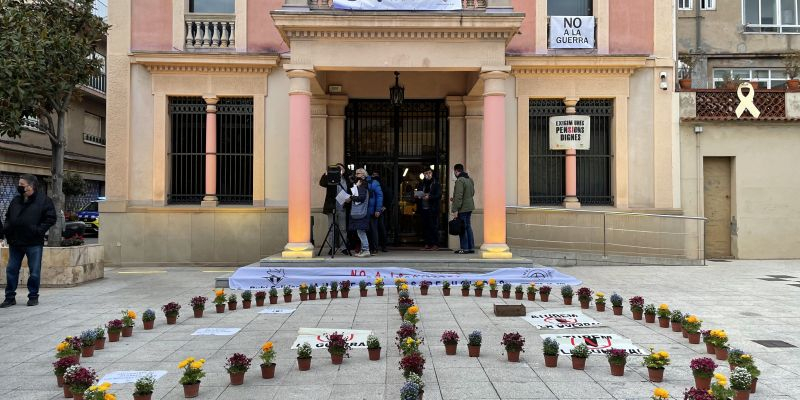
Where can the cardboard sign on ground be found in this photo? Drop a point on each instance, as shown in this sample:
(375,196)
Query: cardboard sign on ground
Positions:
(119,377)
(560,319)
(316,337)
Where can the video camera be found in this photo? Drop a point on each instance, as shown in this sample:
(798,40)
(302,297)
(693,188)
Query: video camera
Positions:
(334,175)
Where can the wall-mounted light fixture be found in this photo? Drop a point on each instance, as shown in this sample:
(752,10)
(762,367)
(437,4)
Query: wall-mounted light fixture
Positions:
(698,129)
(663,85)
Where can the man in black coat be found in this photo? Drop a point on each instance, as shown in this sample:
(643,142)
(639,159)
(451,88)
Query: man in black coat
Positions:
(30,215)
(428,205)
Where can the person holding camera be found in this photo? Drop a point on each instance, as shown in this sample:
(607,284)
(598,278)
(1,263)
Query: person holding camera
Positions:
(335,181)
(359,211)
(428,204)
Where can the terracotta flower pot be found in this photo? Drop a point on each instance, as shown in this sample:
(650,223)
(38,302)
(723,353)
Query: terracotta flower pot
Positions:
(362,292)
(379,292)
(312,296)
(617,310)
(323,295)
(513,356)
(220,308)
(518,295)
(337,359)
(585,304)
(148,396)
(721,353)
(617,369)
(578,363)
(87,351)
(655,374)
(446,291)
(198,312)
(268,371)
(532,296)
(550,361)
(172,320)
(237,378)
(192,390)
(303,296)
(601,307)
(245,304)
(423,290)
(478,292)
(77,396)
(260,301)
(450,349)
(474,351)
(742,395)
(60,380)
(545,297)
(287,298)
(676,326)
(663,322)
(493,293)
(506,295)
(702,383)
(148,325)
(113,336)
(273,299)
(694,338)
(650,318)
(637,315)
(685,83)
(67,392)
(334,294)
(345,294)
(568,301)
(231,306)
(127,331)
(793,85)
(374,354)
(465,292)
(100,344)
(304,364)
(753,385)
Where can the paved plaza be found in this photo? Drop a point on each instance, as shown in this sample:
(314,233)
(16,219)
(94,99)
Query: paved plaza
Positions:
(749,299)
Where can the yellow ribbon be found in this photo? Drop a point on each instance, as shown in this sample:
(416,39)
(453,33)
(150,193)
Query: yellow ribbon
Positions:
(746,102)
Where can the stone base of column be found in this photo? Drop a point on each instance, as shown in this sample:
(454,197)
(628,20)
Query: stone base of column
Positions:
(209,201)
(495,251)
(571,202)
(298,250)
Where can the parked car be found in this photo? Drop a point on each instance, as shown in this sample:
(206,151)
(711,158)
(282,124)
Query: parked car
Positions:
(90,216)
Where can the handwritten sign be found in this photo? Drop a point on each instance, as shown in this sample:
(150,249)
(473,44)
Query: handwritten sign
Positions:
(216,332)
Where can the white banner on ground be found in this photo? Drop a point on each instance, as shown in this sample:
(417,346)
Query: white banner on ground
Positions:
(258,276)
(316,337)
(571,32)
(397,5)
(560,319)
(119,377)
(277,311)
(598,343)
(216,332)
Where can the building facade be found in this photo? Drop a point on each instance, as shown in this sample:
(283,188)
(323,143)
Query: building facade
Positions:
(228,112)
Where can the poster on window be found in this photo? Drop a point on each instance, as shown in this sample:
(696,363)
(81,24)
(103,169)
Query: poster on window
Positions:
(572,32)
(397,5)
(570,132)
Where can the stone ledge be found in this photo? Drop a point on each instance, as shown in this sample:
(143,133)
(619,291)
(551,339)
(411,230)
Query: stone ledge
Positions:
(62,266)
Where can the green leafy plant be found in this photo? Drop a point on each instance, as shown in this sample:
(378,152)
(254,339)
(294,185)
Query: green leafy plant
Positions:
(247,295)
(232,298)
(550,347)
(287,290)
(373,342)
(518,289)
(650,309)
(507,287)
(580,351)
(273,292)
(144,385)
(304,351)
(475,338)
(741,379)
(676,316)
(566,291)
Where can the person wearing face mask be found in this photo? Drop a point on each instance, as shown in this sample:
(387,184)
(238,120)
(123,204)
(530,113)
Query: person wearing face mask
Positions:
(30,215)
(428,205)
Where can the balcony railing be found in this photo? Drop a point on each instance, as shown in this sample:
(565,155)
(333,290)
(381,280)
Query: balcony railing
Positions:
(721,104)
(98,82)
(210,31)
(466,4)
(100,141)
(32,123)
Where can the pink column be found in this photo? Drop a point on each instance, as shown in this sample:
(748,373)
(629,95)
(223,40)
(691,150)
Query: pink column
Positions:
(494,173)
(299,195)
(571,166)
(210,198)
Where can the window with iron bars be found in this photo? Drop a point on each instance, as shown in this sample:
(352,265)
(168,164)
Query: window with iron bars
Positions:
(187,150)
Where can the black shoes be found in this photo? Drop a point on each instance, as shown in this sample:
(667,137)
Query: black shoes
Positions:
(8,303)
(33,302)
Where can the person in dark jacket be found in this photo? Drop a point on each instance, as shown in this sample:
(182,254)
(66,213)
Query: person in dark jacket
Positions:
(428,204)
(331,206)
(463,206)
(375,210)
(30,215)
(381,220)
(359,211)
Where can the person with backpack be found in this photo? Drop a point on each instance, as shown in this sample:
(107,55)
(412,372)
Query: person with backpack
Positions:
(463,206)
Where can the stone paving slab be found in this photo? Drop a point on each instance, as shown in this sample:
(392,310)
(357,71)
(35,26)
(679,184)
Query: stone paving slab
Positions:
(731,296)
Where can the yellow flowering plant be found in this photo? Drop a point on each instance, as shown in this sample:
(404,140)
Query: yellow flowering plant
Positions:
(99,392)
(660,394)
(692,324)
(492,284)
(663,311)
(399,281)
(379,283)
(718,338)
(600,298)
(192,370)
(719,389)
(127,318)
(219,297)
(410,345)
(531,289)
(412,314)
(478,284)
(267,354)
(656,360)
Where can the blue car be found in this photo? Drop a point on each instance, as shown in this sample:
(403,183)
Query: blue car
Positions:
(90,216)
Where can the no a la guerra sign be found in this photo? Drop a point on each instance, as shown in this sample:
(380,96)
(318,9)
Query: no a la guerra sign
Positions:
(570,132)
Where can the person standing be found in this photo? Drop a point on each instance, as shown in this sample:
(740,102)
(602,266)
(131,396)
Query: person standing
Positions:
(375,210)
(381,221)
(331,207)
(30,215)
(359,211)
(429,205)
(463,205)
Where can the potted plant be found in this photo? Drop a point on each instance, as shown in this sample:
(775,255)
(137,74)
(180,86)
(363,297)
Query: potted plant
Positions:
(338,347)
(413,362)
(791,62)
(740,382)
(373,348)
(650,313)
(192,374)
(379,286)
(544,293)
(478,288)
(411,315)
(247,299)
(334,289)
(232,302)
(660,394)
(637,307)
(720,341)
(114,329)
(404,303)
(323,291)
(424,286)
(312,292)
(675,318)
(267,360)
(518,292)
(362,288)
(697,394)
(88,337)
(148,319)
(514,343)
(236,366)
(735,358)
(100,338)
(219,300)
(755,373)
(663,315)
(303,291)
(304,357)
(61,365)
(406,331)
(584,297)
(77,379)
(567,293)
(344,287)
(143,388)
(450,340)
(506,290)
(410,391)
(261,296)
(399,282)
(127,323)
(474,341)
(287,294)
(446,288)
(409,345)
(617,359)
(417,380)
(600,301)
(579,355)
(705,335)
(98,392)
(69,347)
(550,349)
(687,63)
(273,296)
(492,288)
(172,311)
(692,325)
(465,284)
(702,370)
(616,304)
(656,363)
(198,304)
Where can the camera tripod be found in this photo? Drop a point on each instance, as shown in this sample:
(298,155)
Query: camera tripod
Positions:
(334,235)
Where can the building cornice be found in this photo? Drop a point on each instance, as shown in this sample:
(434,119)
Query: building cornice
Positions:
(206,63)
(577,65)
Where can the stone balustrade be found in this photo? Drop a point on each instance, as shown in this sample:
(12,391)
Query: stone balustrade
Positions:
(210,31)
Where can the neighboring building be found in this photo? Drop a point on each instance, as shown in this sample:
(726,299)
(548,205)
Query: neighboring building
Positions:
(227,112)
(739,172)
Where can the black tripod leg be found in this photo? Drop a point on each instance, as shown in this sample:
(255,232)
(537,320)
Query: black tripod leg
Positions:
(324,242)
(343,239)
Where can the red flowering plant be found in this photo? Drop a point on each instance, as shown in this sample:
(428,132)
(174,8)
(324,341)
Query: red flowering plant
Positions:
(61,365)
(78,378)
(703,367)
(405,302)
(261,294)
(413,362)
(337,344)
(449,337)
(407,330)
(637,303)
(584,294)
(198,302)
(697,394)
(545,290)
(425,284)
(344,286)
(513,342)
(617,356)
(238,363)
(115,325)
(171,309)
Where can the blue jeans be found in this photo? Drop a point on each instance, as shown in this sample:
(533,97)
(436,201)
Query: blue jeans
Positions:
(15,254)
(362,235)
(466,238)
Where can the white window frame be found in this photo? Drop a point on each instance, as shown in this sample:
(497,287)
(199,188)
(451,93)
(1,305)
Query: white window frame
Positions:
(778,26)
(685,5)
(708,4)
(766,84)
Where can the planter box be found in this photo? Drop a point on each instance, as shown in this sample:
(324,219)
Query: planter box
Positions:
(509,310)
(62,266)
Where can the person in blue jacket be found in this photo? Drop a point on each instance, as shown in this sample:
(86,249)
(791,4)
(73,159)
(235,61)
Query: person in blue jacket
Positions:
(375,210)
